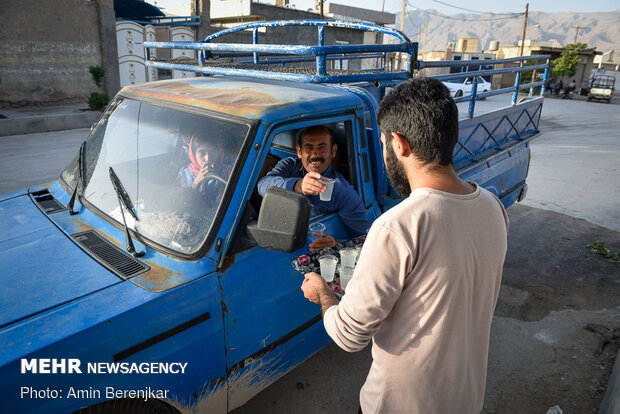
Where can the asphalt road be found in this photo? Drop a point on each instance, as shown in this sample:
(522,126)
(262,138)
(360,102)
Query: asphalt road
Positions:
(540,354)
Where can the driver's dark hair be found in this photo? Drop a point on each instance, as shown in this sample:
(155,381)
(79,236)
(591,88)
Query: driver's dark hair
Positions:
(422,111)
(315,129)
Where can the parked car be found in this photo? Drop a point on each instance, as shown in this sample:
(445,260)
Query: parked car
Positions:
(463,87)
(601,87)
(123,288)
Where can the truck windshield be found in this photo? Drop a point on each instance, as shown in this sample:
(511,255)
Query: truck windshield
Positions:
(175,166)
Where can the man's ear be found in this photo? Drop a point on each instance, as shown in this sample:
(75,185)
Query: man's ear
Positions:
(400,145)
(334,150)
(298,150)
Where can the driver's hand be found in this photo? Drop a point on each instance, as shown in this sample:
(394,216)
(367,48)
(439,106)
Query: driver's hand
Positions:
(322,242)
(310,184)
(204,170)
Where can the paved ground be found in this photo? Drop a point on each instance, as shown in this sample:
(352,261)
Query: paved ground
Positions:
(540,353)
(36,158)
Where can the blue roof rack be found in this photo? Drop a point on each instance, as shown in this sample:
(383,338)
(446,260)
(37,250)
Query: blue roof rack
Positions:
(269,61)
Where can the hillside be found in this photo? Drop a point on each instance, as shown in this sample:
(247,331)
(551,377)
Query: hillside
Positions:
(601,29)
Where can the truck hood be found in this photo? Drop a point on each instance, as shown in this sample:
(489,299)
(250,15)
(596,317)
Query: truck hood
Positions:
(40,266)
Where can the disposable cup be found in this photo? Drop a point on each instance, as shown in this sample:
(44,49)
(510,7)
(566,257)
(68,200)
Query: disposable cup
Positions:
(348,256)
(346,273)
(327,194)
(328,267)
(359,252)
(316,231)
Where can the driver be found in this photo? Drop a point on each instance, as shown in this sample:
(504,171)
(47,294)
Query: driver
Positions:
(204,157)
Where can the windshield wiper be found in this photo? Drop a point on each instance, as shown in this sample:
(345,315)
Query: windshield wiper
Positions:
(123,199)
(79,180)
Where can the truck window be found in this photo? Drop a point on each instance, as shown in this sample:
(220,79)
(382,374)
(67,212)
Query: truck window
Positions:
(148,146)
(284,145)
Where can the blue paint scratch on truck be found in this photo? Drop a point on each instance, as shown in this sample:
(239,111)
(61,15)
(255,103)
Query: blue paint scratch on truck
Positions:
(204,293)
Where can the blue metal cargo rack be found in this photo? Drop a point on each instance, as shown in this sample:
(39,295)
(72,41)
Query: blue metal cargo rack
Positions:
(269,61)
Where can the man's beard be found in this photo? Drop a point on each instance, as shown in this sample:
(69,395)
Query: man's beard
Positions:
(396,173)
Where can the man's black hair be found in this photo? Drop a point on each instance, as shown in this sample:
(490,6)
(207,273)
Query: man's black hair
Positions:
(422,111)
(315,129)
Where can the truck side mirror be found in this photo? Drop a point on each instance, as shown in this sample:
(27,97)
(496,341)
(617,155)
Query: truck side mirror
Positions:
(282,221)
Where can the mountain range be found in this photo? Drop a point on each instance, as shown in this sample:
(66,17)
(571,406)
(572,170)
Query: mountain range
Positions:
(597,29)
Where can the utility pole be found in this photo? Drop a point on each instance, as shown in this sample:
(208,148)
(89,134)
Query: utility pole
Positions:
(402,29)
(425,31)
(527,6)
(577,31)
(318,6)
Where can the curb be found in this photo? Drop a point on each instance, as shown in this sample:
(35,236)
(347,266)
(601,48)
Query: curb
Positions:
(611,402)
(46,123)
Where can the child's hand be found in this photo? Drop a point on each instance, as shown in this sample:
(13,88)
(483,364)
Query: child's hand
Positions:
(200,177)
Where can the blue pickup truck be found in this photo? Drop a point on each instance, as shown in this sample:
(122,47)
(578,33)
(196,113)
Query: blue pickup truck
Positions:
(123,288)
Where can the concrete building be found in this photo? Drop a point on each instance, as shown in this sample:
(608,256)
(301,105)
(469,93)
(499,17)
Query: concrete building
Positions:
(608,61)
(47,49)
(466,49)
(227,13)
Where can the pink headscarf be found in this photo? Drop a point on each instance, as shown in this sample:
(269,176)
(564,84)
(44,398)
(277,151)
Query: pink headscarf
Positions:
(194,167)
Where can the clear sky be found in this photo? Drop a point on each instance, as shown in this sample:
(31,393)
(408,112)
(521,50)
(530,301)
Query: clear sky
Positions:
(494,6)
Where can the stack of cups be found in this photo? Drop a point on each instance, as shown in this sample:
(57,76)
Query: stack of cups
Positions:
(348,257)
(328,267)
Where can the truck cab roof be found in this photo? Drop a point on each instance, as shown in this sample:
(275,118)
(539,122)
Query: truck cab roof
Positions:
(246,97)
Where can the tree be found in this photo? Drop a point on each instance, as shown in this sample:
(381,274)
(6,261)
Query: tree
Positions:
(566,64)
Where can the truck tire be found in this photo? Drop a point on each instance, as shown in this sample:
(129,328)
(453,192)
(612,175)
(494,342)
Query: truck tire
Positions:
(129,406)
(458,94)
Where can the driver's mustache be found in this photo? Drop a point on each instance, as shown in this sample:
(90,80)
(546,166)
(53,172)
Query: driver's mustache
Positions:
(316,159)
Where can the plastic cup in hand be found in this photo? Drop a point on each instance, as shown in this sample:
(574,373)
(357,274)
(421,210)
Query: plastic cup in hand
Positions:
(346,274)
(327,194)
(316,230)
(328,267)
(348,256)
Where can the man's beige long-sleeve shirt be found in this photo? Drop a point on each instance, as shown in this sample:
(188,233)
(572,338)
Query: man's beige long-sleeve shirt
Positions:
(424,291)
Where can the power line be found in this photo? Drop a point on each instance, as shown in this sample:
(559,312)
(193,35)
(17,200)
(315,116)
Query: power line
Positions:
(470,10)
(514,16)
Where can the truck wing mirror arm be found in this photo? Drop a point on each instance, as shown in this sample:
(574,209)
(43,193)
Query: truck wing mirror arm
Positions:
(282,221)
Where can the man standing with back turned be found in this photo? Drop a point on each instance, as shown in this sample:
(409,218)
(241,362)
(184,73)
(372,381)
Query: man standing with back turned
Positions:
(426,284)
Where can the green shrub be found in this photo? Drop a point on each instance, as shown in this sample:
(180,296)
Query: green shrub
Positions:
(98,101)
(97,73)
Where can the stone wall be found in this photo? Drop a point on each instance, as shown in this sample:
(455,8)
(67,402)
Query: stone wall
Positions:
(46,49)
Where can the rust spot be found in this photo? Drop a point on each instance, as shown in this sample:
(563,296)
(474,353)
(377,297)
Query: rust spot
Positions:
(224,307)
(213,383)
(157,279)
(228,261)
(237,101)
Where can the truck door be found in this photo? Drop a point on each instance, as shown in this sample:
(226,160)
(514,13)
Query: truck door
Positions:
(270,327)
(385,195)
